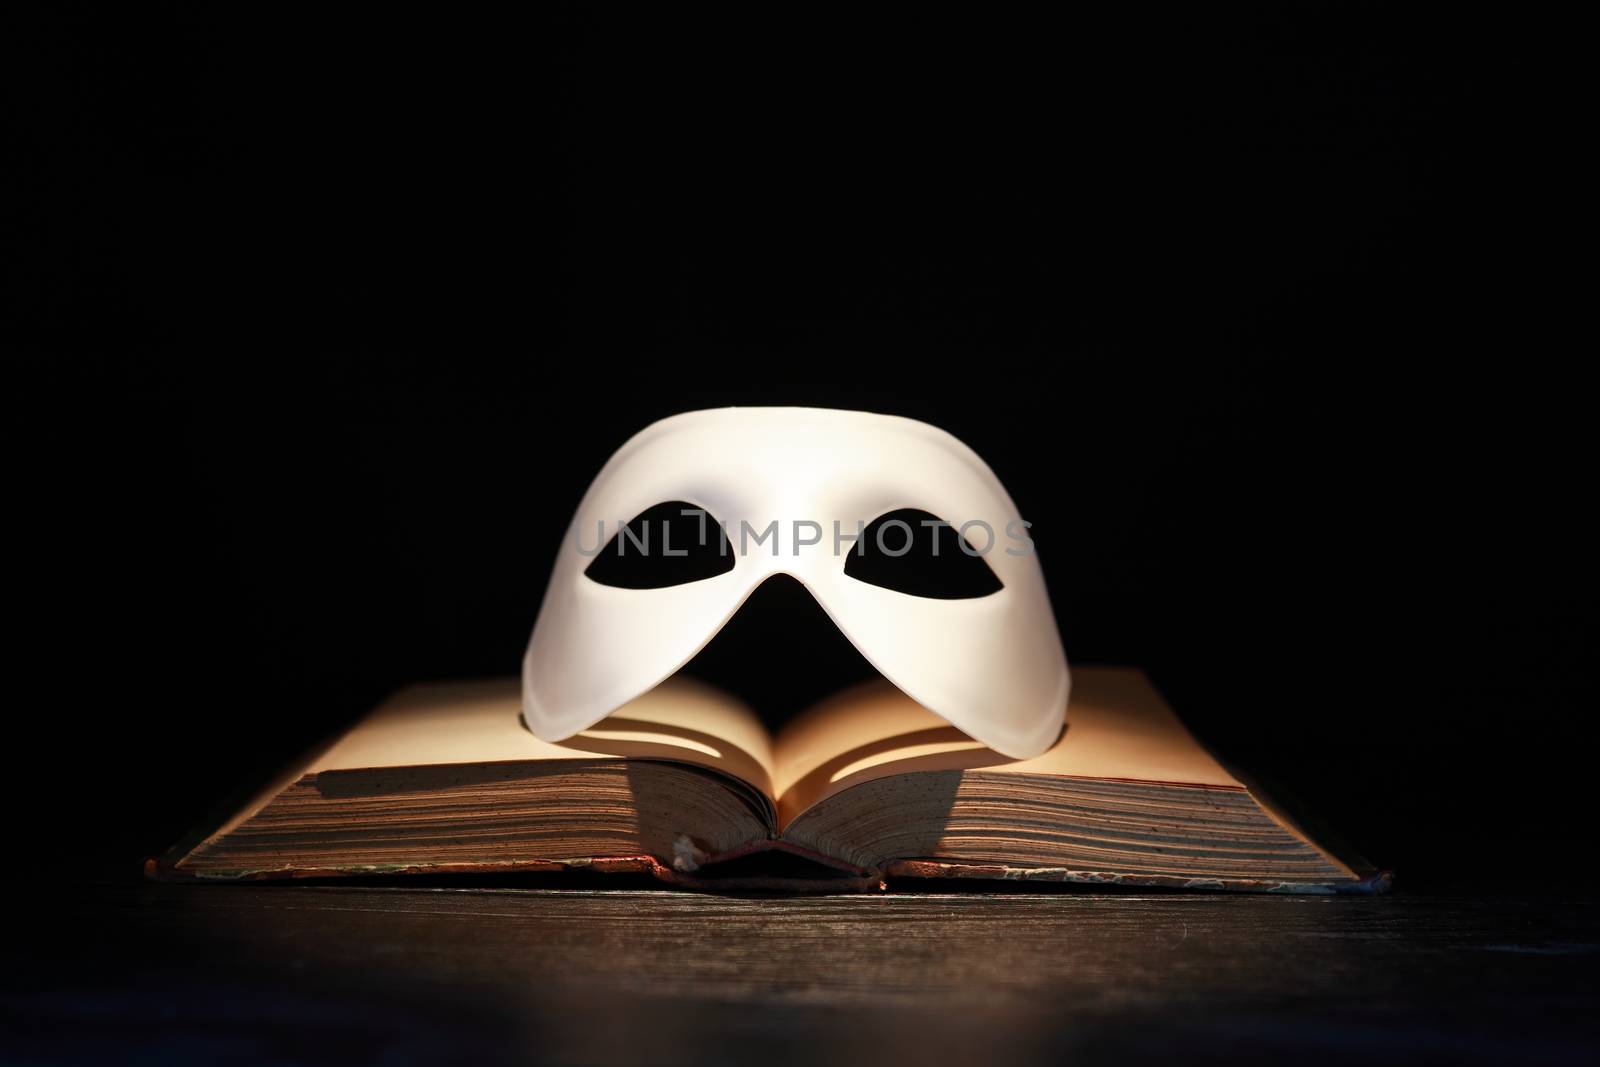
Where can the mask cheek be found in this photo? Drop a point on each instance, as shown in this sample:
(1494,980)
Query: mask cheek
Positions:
(990,666)
(596,647)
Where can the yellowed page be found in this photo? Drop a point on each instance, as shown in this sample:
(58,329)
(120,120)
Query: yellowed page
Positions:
(481,722)
(1117,727)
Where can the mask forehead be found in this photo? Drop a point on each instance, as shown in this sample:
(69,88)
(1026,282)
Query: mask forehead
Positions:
(992,667)
(797,462)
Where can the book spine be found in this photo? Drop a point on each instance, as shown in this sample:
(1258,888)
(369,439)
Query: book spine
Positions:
(846,879)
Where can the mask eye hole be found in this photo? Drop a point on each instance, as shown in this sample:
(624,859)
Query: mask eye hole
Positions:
(914,552)
(673,543)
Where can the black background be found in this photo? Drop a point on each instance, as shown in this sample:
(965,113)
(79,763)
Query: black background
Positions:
(322,324)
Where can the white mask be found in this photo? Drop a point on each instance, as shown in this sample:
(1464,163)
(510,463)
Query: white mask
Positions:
(992,665)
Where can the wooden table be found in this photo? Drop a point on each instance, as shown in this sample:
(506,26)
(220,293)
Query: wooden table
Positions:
(488,973)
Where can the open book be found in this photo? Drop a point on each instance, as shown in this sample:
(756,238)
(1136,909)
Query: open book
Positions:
(685,782)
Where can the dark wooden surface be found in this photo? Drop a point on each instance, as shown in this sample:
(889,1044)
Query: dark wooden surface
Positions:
(505,973)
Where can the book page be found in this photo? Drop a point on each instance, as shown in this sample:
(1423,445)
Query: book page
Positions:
(1118,727)
(481,722)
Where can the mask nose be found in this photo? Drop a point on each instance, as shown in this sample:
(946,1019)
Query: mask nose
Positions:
(780,652)
(796,546)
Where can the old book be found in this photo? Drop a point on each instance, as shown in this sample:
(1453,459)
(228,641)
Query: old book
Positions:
(685,782)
